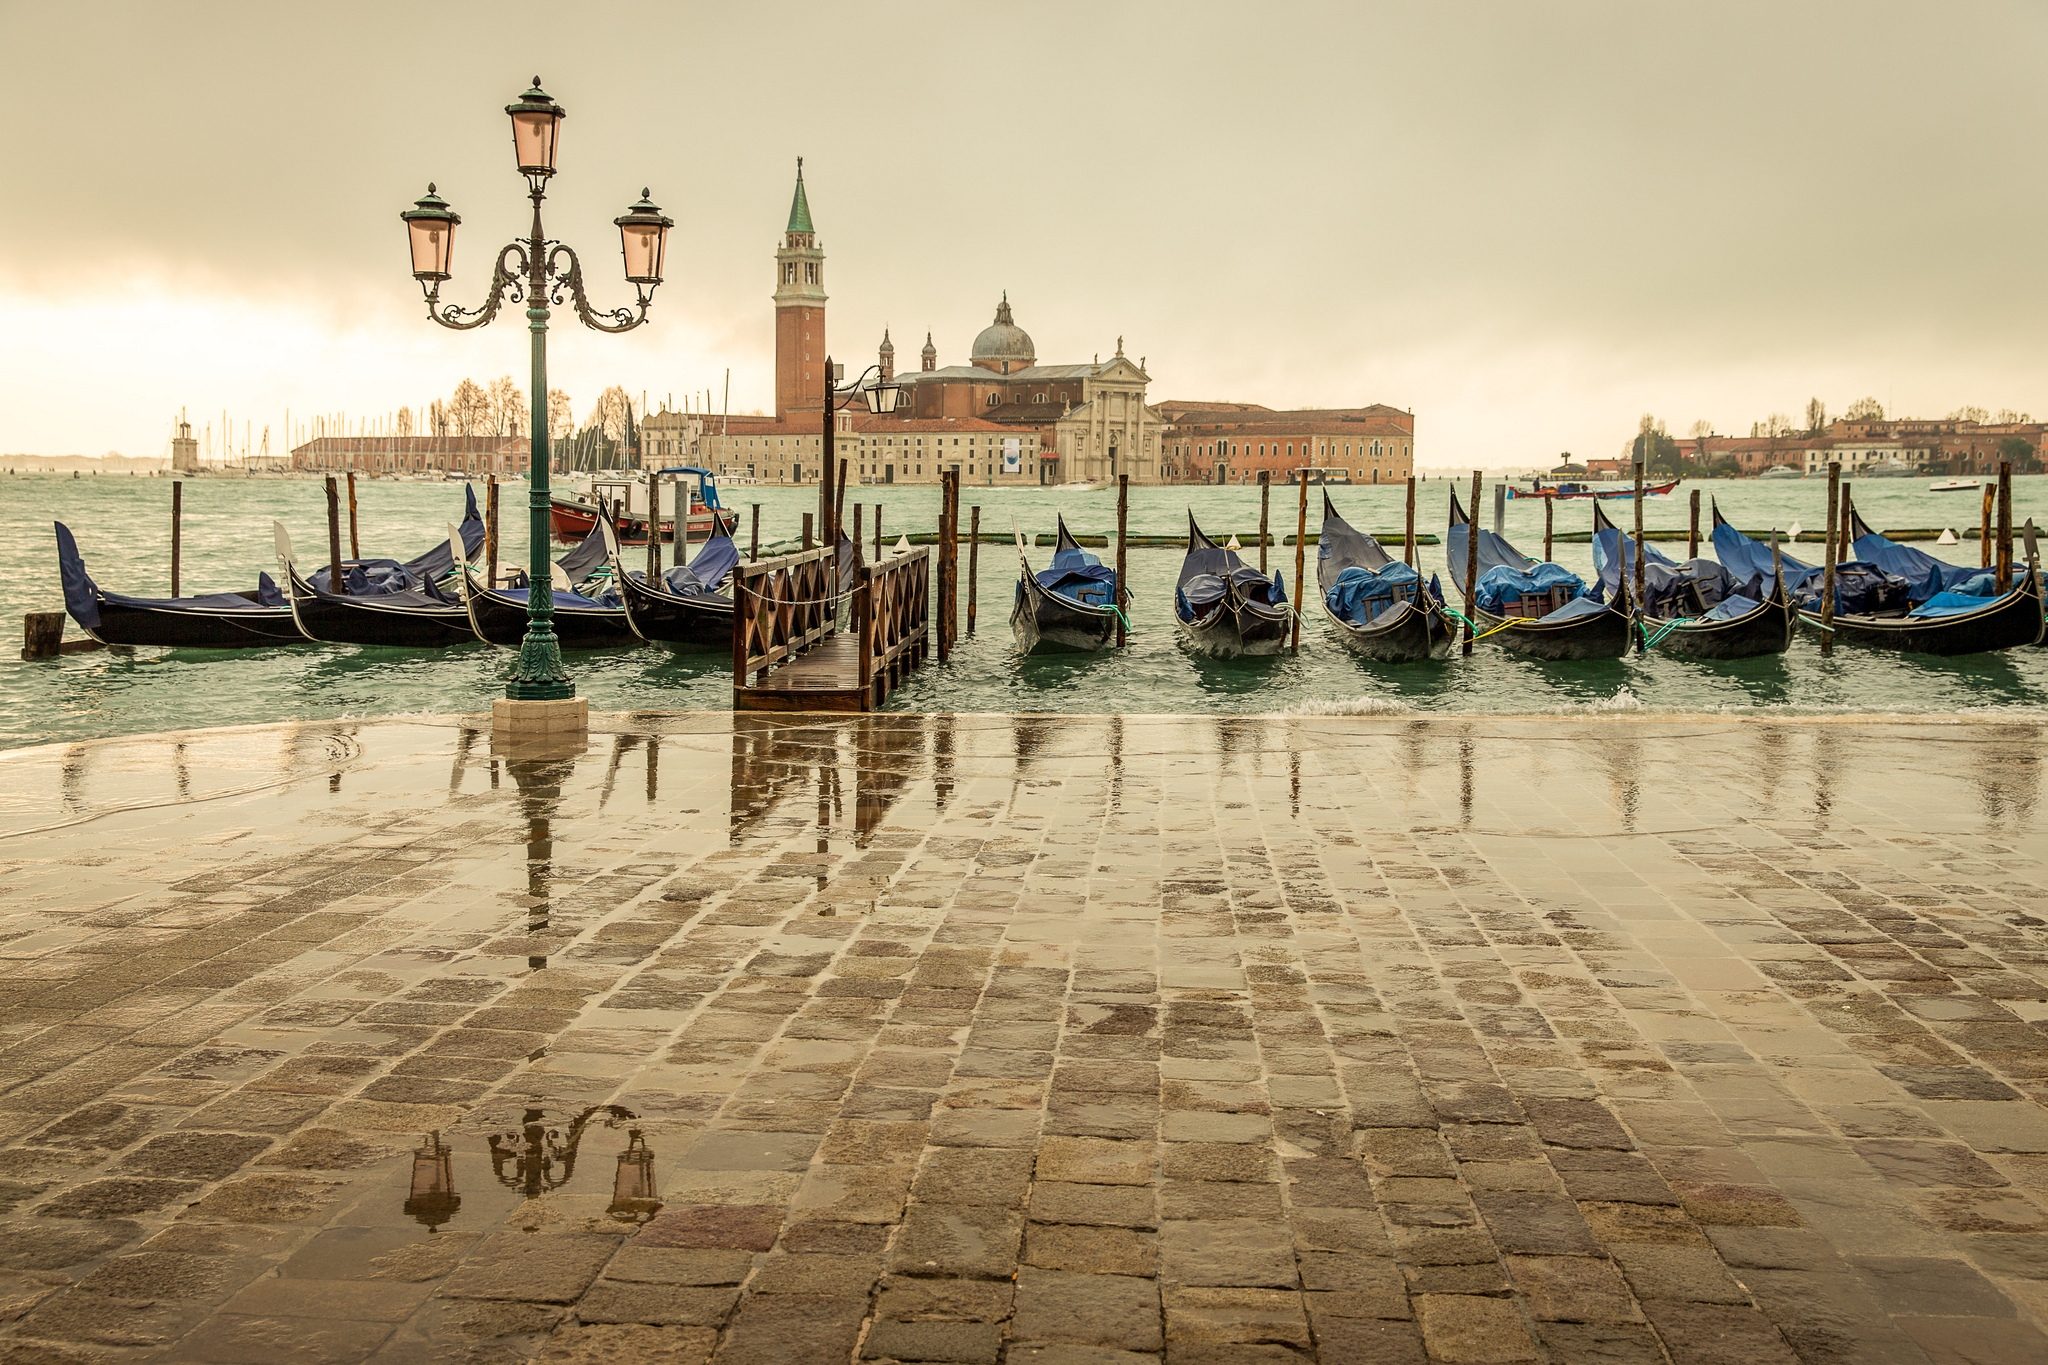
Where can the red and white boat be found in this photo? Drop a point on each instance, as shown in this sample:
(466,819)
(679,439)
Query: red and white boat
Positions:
(572,512)
(1604,492)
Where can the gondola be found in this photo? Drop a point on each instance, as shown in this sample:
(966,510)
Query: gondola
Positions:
(1383,610)
(1949,622)
(422,617)
(1544,611)
(498,615)
(680,607)
(1695,610)
(1067,607)
(1225,607)
(226,620)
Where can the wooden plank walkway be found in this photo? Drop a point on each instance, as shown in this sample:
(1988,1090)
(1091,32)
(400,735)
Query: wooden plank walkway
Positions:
(789,654)
(825,677)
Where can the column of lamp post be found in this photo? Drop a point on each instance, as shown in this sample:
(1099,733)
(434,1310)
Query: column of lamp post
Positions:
(538,271)
(881,400)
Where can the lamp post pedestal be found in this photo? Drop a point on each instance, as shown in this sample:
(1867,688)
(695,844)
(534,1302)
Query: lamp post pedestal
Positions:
(539,720)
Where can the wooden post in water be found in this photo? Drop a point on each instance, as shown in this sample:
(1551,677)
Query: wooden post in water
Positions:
(878,533)
(1471,565)
(355,545)
(177,529)
(810,520)
(1827,575)
(2003,581)
(839,505)
(1265,500)
(1641,637)
(1549,519)
(856,533)
(491,532)
(944,566)
(1300,553)
(42,634)
(1123,517)
(335,583)
(1692,539)
(973,562)
(1984,527)
(1408,539)
(654,528)
(754,549)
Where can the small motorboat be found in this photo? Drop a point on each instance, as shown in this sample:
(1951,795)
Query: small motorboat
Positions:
(1783,471)
(1606,493)
(1955,485)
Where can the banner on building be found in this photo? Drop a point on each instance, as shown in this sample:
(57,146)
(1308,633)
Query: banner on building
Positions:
(1013,455)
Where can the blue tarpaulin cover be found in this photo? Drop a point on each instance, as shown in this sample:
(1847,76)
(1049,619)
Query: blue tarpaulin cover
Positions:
(375,577)
(610,601)
(1359,595)
(1203,573)
(1498,585)
(1925,575)
(1574,609)
(1077,575)
(1952,604)
(82,596)
(1861,588)
(1730,608)
(711,565)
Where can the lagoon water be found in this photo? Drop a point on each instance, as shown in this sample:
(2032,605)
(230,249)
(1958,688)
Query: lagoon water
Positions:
(122,525)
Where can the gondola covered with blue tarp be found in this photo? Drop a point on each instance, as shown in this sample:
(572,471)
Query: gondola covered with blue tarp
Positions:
(1225,607)
(689,604)
(1925,576)
(589,612)
(1531,607)
(1379,606)
(223,620)
(1949,622)
(1861,587)
(1067,606)
(429,616)
(1696,608)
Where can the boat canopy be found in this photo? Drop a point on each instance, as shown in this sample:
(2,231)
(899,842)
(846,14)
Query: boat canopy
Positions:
(707,483)
(711,566)
(1494,550)
(1075,574)
(1360,594)
(1502,584)
(1926,576)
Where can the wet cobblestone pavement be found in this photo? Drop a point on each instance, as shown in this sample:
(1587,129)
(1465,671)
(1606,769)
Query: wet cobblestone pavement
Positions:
(1075,1041)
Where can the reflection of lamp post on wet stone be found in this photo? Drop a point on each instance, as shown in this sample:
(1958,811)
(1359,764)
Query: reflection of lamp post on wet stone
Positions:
(543,1159)
(433,1200)
(539,699)
(634,1198)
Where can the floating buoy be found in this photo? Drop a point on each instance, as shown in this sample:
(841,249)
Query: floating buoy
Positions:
(902,545)
(1233,545)
(1793,534)
(1948,536)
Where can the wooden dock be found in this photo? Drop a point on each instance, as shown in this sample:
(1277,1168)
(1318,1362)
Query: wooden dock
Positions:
(788,651)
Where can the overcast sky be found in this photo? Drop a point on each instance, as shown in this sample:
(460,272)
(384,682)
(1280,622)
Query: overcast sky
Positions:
(1528,222)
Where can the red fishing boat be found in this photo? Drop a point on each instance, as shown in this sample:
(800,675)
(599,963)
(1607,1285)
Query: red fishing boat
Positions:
(572,513)
(1603,492)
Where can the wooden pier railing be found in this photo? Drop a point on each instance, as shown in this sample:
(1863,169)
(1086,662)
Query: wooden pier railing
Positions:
(788,655)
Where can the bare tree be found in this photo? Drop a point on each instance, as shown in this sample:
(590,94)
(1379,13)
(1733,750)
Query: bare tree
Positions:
(1967,413)
(509,412)
(403,424)
(1865,410)
(1816,416)
(2006,416)
(561,417)
(469,409)
(1702,429)
(609,415)
(1777,424)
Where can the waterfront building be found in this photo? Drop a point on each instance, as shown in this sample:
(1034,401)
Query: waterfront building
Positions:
(1210,442)
(413,455)
(184,448)
(1934,446)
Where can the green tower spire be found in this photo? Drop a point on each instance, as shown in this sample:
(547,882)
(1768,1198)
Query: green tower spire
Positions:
(800,207)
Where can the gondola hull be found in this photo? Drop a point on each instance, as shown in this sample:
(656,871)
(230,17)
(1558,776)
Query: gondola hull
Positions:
(1235,628)
(1411,634)
(375,621)
(260,628)
(1602,636)
(499,620)
(1044,621)
(2004,623)
(1767,630)
(665,618)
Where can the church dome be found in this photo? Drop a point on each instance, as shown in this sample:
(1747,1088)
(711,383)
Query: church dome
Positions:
(1003,345)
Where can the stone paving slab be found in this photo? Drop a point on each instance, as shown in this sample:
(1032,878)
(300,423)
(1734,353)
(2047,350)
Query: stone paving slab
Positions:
(1028,1039)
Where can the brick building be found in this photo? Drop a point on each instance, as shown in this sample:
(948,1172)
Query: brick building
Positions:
(1932,446)
(413,454)
(1207,442)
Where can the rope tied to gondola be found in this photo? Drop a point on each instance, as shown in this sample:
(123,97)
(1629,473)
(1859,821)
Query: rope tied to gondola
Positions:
(1477,633)
(1652,641)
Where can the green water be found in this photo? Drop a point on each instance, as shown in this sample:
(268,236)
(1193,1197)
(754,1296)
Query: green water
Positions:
(123,529)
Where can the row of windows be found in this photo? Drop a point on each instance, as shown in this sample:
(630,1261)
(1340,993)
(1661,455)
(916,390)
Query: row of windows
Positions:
(1226,449)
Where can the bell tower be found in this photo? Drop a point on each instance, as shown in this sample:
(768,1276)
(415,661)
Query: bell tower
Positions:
(799,311)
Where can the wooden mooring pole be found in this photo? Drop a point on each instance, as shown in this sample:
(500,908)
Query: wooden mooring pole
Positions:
(335,583)
(654,528)
(1549,520)
(1471,564)
(878,533)
(809,521)
(1265,500)
(754,549)
(973,562)
(355,542)
(1827,575)
(1692,539)
(1123,521)
(2003,581)
(177,533)
(1984,527)
(1300,555)
(491,532)
(1408,536)
(1642,639)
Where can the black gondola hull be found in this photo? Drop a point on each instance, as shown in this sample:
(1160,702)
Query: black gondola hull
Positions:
(263,628)
(1044,621)
(1416,633)
(498,620)
(1767,630)
(366,621)
(665,618)
(2006,624)
(1236,628)
(1605,636)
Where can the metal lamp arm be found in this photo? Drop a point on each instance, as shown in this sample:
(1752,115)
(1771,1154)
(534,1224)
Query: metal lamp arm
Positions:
(566,286)
(842,396)
(507,282)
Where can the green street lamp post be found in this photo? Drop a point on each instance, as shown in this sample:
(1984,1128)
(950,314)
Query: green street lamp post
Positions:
(537,271)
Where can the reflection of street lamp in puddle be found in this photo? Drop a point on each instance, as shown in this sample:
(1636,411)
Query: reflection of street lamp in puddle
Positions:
(433,1200)
(634,1198)
(539,1160)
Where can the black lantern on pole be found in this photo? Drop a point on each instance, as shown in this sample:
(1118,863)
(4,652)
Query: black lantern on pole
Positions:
(536,131)
(430,224)
(643,239)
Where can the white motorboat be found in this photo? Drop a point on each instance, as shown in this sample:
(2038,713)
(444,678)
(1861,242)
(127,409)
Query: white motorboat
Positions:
(1955,486)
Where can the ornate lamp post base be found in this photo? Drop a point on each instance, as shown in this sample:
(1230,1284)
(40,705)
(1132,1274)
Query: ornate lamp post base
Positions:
(567,719)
